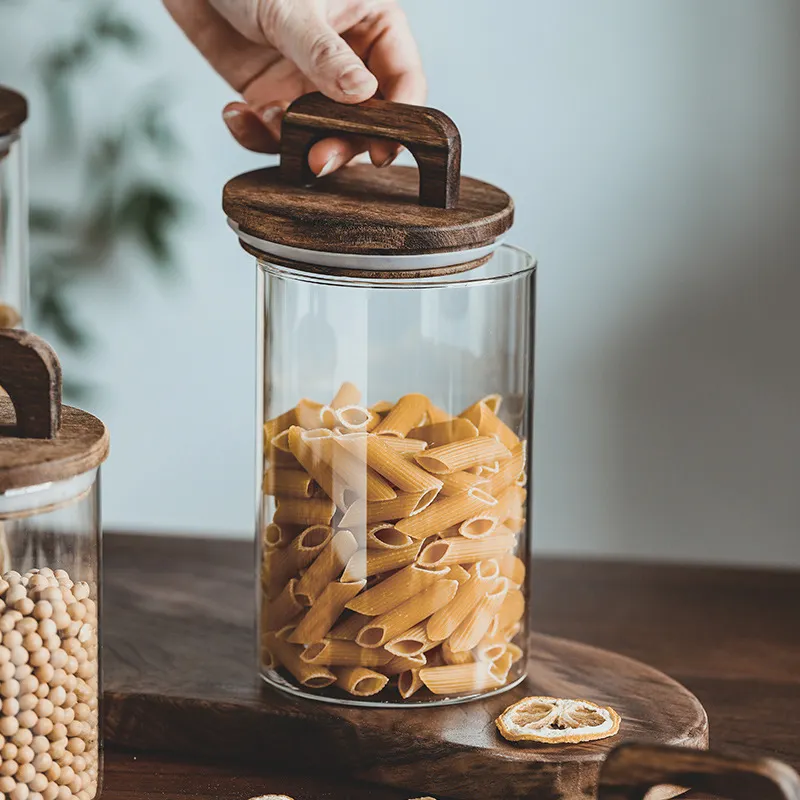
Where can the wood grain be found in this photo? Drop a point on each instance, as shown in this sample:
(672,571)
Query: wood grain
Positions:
(429,135)
(13,110)
(181,678)
(632,770)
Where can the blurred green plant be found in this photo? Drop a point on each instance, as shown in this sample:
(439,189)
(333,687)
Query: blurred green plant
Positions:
(121,198)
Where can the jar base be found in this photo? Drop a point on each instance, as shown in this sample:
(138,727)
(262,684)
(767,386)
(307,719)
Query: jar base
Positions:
(277,681)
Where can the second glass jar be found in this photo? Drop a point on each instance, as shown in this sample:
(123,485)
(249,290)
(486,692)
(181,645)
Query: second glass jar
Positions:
(395,424)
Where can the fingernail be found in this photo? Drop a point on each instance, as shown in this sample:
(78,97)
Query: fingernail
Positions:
(388,161)
(329,166)
(355,80)
(270,114)
(230,114)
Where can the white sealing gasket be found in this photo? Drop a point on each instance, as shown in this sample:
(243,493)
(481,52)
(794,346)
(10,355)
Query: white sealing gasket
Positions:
(383,263)
(44,496)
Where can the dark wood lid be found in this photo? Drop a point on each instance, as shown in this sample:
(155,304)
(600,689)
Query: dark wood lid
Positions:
(362,209)
(41,440)
(13,110)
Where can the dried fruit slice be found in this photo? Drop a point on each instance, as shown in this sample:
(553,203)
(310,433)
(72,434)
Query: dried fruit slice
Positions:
(556,720)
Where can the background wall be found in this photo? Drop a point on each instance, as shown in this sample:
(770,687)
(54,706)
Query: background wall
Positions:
(652,152)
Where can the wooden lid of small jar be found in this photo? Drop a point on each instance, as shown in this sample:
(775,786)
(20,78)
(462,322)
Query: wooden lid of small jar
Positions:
(41,440)
(13,110)
(362,209)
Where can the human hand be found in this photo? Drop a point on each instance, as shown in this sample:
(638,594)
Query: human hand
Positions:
(273,51)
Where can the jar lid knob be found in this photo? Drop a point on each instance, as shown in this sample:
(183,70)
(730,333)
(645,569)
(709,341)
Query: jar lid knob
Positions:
(31,375)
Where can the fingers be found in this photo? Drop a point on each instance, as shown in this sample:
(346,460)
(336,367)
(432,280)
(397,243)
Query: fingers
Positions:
(330,154)
(304,36)
(258,132)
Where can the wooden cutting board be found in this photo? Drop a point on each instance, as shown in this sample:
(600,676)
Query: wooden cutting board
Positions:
(180,677)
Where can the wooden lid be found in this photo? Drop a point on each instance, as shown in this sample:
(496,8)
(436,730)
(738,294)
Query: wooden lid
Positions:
(13,110)
(364,210)
(41,440)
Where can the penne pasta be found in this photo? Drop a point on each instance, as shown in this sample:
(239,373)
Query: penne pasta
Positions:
(404,446)
(461,455)
(277,566)
(512,568)
(489,424)
(348,394)
(283,609)
(400,472)
(511,503)
(457,573)
(278,425)
(381,407)
(407,413)
(360,681)
(356,418)
(280,535)
(511,632)
(311,415)
(287,655)
(458,550)
(350,466)
(436,414)
(309,544)
(408,683)
(366,563)
(455,658)
(294,511)
(385,536)
(458,482)
(348,626)
(446,620)
(400,664)
(278,453)
(476,624)
(445,513)
(333,653)
(515,651)
(393,591)
(325,611)
(313,460)
(404,505)
(485,470)
(502,665)
(478,527)
(511,609)
(407,614)
(287,483)
(509,471)
(412,642)
(440,433)
(326,567)
(493,402)
(463,678)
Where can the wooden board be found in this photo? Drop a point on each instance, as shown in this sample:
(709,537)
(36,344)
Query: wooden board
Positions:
(180,678)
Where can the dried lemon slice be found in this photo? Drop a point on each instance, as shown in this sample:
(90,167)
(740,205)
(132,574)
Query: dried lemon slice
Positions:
(557,721)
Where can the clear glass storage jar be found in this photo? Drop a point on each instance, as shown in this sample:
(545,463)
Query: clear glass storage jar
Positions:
(50,678)
(395,416)
(13,211)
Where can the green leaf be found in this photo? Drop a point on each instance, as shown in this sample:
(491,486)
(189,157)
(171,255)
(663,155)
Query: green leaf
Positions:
(112,27)
(148,212)
(46,220)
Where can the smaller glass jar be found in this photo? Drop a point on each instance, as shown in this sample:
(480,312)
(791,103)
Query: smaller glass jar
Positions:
(13,211)
(50,678)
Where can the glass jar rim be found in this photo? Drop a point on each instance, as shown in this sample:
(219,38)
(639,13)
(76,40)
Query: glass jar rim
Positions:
(526,263)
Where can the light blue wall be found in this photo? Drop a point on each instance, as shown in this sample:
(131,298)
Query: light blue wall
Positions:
(652,150)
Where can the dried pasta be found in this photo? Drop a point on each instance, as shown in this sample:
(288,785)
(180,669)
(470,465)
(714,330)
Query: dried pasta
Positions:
(283,609)
(360,681)
(312,415)
(393,591)
(444,513)
(446,620)
(462,678)
(385,536)
(461,455)
(458,550)
(348,626)
(470,632)
(400,472)
(348,394)
(287,655)
(366,563)
(278,425)
(409,412)
(288,483)
(326,567)
(458,482)
(489,424)
(336,653)
(325,611)
(412,642)
(439,433)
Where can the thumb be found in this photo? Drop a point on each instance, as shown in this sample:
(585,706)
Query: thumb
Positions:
(302,35)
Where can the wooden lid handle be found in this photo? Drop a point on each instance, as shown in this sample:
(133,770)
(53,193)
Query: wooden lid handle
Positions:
(31,375)
(430,136)
(632,769)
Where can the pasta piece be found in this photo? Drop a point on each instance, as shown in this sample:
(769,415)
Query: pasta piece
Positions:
(400,472)
(277,566)
(457,573)
(407,614)
(360,681)
(475,626)
(489,424)
(280,535)
(400,664)
(344,654)
(294,511)
(408,413)
(463,678)
(455,658)
(509,471)
(512,568)
(458,550)
(436,414)
(493,402)
(412,642)
(351,467)
(409,683)
(446,513)
(393,591)
(381,407)
(348,394)
(284,608)
(502,665)
(511,503)
(515,651)
(511,609)
(278,425)
(325,611)
(440,433)
(511,632)
(312,460)
(458,482)
(357,418)
(446,620)
(447,533)
(348,626)
(404,446)
(404,505)
(366,563)
(278,453)
(309,544)
(384,536)
(462,455)
(311,415)
(478,527)
(326,567)
(485,470)
(311,675)
(287,483)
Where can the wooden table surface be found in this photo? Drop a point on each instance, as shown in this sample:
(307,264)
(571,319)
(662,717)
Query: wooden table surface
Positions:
(732,636)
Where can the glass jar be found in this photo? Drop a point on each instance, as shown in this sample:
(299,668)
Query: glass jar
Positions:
(50,677)
(395,416)
(13,211)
